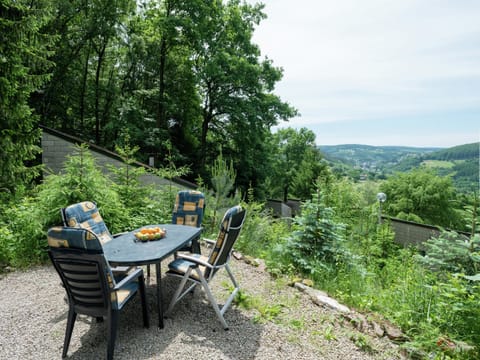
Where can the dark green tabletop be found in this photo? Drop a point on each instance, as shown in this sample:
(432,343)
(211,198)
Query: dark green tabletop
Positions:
(127,250)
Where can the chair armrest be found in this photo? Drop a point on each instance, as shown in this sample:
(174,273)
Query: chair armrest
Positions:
(209,241)
(122,269)
(129,278)
(119,234)
(194,260)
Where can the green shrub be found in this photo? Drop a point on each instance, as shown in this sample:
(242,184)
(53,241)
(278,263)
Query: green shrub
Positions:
(316,242)
(260,231)
(80,180)
(451,252)
(22,241)
(25,222)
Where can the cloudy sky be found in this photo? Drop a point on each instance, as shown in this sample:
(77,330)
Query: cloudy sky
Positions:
(378,72)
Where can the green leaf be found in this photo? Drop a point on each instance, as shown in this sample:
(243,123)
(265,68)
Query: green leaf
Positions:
(473,278)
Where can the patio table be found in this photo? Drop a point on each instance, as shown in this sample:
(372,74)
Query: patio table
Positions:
(126,250)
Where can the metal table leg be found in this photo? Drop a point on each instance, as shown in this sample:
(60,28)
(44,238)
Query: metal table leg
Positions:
(159,295)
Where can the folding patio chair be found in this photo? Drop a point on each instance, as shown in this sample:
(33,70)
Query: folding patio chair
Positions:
(196,269)
(90,284)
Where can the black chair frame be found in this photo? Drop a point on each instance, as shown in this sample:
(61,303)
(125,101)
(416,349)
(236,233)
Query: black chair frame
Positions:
(83,275)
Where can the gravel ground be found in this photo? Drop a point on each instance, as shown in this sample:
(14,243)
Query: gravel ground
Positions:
(33,320)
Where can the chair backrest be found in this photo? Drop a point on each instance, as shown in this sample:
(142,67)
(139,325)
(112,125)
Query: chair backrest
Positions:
(189,208)
(78,258)
(85,215)
(230,227)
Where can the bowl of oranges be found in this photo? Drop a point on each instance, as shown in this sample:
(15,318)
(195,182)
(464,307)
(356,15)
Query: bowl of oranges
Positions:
(149,234)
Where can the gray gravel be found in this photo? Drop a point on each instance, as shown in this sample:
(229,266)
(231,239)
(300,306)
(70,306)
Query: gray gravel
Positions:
(33,320)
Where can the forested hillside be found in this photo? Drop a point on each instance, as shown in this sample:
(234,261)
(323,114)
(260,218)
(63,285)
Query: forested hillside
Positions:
(459,162)
(378,162)
(372,158)
(461,152)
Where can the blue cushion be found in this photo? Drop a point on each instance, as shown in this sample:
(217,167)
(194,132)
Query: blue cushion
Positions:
(189,208)
(64,237)
(85,215)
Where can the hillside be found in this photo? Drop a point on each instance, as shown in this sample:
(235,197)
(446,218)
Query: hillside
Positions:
(363,162)
(372,156)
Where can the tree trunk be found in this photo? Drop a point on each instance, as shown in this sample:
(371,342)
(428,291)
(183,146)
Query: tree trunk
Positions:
(101,54)
(161,121)
(83,91)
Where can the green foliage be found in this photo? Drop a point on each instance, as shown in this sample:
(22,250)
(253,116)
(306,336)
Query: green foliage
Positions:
(144,204)
(378,247)
(223,179)
(265,311)
(461,152)
(460,162)
(24,222)
(451,252)
(81,180)
(24,49)
(6,239)
(378,275)
(170,171)
(457,312)
(316,240)
(181,76)
(362,342)
(22,241)
(296,165)
(260,232)
(423,194)
(455,253)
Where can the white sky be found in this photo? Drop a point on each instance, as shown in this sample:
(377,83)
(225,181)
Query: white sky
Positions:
(378,72)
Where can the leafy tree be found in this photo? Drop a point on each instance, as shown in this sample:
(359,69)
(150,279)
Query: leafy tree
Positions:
(297,162)
(423,196)
(24,48)
(235,86)
(82,94)
(184,73)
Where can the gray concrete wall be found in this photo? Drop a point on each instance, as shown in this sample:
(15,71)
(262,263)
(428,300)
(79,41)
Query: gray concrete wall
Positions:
(409,233)
(57,146)
(279,208)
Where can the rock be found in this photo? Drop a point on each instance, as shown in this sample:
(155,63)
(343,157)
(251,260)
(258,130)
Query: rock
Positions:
(321,298)
(251,261)
(377,329)
(359,321)
(394,333)
(237,255)
(261,265)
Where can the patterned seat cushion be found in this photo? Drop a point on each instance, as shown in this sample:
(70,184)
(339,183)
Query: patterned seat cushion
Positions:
(64,237)
(180,266)
(223,232)
(85,215)
(189,208)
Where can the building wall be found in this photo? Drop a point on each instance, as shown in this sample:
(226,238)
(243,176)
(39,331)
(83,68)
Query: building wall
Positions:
(408,233)
(279,209)
(57,146)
